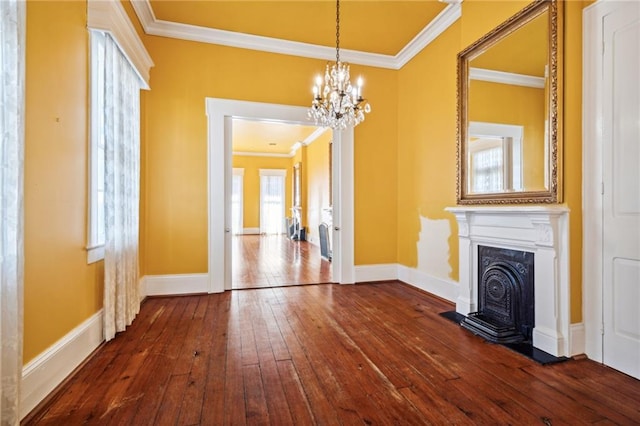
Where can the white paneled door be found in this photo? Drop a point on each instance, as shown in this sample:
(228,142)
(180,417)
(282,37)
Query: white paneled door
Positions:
(621,186)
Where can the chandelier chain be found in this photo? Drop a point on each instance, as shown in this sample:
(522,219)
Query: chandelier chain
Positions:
(336,102)
(338,31)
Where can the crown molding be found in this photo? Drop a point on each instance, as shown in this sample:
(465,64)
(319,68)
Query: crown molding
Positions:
(154,26)
(261,154)
(111,17)
(315,135)
(440,23)
(506,78)
(308,140)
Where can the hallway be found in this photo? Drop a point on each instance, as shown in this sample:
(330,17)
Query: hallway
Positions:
(261,261)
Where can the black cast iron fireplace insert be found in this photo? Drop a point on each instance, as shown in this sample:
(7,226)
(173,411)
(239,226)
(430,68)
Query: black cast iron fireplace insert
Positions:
(505,296)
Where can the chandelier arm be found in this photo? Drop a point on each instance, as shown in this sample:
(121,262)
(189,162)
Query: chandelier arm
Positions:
(337,104)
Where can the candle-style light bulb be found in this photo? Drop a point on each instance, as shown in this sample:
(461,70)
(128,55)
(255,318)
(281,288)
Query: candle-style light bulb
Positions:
(359,87)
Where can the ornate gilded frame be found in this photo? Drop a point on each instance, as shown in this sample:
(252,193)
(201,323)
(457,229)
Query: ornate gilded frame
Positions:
(554,193)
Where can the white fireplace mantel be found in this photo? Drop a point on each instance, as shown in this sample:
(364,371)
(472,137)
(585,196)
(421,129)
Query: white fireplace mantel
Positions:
(541,230)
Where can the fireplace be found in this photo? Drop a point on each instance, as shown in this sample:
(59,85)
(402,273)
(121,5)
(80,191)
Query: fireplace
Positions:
(505,296)
(542,231)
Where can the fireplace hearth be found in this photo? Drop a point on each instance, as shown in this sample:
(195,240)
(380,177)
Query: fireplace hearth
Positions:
(505,296)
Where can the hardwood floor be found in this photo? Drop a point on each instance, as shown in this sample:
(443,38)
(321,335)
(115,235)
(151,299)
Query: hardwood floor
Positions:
(326,354)
(274,261)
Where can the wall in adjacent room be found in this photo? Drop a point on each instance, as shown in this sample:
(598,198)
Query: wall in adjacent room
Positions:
(317,171)
(251,184)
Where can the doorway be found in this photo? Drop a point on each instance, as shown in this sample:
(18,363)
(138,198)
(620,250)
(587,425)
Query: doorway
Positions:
(285,170)
(220,113)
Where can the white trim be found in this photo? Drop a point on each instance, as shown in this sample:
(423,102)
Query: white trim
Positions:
(308,140)
(110,16)
(95,254)
(441,287)
(262,154)
(219,116)
(592,86)
(380,272)
(479,128)
(541,230)
(251,231)
(44,373)
(502,77)
(238,171)
(315,135)
(167,285)
(437,26)
(576,339)
(273,172)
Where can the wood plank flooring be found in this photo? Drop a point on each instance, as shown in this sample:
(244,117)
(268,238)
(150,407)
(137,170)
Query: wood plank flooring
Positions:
(326,354)
(261,261)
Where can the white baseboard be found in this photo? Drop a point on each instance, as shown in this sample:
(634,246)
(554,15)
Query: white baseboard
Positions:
(313,240)
(41,375)
(251,231)
(164,285)
(577,339)
(380,272)
(443,288)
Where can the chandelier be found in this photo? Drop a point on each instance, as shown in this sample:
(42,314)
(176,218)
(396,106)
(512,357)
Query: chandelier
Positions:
(336,102)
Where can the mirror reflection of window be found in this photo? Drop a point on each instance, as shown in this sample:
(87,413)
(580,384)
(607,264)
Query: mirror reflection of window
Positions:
(487,165)
(495,157)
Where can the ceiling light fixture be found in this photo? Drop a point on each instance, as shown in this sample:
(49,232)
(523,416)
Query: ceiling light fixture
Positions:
(336,102)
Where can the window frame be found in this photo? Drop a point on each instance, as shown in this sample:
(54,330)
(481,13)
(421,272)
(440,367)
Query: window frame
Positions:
(95,238)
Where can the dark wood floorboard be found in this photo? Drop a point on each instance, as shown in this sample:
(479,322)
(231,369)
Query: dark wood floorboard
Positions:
(262,261)
(326,354)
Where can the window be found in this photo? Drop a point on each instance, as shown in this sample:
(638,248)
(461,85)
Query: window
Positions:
(495,157)
(272,198)
(487,166)
(96,232)
(114,140)
(237,201)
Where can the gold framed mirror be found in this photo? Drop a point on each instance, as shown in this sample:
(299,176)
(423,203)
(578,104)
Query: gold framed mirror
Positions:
(509,111)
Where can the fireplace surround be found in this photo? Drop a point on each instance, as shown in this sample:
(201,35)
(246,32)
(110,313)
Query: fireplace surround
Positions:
(540,230)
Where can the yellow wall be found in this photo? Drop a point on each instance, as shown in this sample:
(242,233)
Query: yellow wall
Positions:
(251,184)
(427,134)
(317,171)
(175,159)
(517,105)
(427,146)
(404,153)
(573,146)
(60,289)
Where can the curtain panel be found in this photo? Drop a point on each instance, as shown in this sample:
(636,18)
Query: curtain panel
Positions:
(122,190)
(12,58)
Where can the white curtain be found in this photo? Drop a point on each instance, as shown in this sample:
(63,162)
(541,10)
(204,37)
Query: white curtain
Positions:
(271,204)
(122,190)
(487,167)
(12,58)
